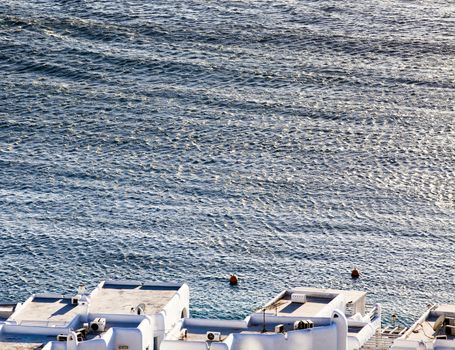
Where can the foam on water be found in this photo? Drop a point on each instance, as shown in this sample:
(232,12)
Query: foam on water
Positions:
(286,141)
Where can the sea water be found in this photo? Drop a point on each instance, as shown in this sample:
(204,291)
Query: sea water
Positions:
(285,141)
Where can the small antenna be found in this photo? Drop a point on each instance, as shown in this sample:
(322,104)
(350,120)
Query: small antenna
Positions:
(273,306)
(263,321)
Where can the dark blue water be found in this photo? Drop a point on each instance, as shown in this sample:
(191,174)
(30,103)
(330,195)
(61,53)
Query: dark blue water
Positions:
(285,141)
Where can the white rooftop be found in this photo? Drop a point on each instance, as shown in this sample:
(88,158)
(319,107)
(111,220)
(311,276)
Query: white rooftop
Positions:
(55,309)
(318,302)
(110,298)
(116,298)
(120,304)
(433,325)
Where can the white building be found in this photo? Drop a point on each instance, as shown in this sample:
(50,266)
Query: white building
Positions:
(130,315)
(434,330)
(296,319)
(117,315)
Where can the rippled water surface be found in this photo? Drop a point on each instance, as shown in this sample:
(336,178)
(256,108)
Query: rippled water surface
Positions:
(285,141)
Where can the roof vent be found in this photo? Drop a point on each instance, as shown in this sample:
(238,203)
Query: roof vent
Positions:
(62,337)
(214,336)
(183,333)
(279,328)
(65,337)
(301,324)
(98,324)
(298,298)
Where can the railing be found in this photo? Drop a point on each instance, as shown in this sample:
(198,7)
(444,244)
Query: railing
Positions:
(393,332)
(371,311)
(378,342)
(383,338)
(369,308)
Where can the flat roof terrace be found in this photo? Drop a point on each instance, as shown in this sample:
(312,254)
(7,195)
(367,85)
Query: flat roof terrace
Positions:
(313,305)
(121,298)
(316,300)
(110,298)
(52,309)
